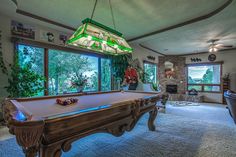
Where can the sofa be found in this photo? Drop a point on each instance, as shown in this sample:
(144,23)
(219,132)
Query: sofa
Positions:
(230,98)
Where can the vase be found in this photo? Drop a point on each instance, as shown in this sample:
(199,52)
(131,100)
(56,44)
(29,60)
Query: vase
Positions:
(80,89)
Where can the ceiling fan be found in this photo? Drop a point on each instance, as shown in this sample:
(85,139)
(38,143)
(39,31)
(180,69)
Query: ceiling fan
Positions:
(213,47)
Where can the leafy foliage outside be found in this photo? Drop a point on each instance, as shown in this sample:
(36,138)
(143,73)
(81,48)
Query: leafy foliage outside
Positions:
(64,67)
(150,73)
(211,76)
(208,78)
(196,87)
(190,80)
(23,81)
(105,74)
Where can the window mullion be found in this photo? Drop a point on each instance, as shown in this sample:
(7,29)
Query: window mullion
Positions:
(46,71)
(99,73)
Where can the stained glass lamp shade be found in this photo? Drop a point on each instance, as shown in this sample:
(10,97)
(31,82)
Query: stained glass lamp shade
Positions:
(98,37)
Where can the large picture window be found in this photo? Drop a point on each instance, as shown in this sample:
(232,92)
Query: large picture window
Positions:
(150,72)
(62,68)
(66,68)
(204,77)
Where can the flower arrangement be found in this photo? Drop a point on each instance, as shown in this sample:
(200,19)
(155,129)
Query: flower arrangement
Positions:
(79,82)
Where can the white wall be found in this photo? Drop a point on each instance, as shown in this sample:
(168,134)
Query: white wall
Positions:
(229,66)
(7,50)
(142,53)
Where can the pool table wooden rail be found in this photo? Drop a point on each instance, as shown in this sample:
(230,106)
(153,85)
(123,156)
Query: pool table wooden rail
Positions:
(51,136)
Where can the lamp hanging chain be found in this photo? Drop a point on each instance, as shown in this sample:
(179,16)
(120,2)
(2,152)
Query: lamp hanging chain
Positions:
(112,15)
(94,7)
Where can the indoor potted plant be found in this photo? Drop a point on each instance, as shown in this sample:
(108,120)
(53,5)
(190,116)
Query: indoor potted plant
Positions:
(79,82)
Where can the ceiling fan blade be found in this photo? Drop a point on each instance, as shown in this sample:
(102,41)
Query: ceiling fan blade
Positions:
(227,46)
(223,46)
(218,45)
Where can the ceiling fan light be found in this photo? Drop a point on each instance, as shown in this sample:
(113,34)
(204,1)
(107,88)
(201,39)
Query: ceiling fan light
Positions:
(210,50)
(215,49)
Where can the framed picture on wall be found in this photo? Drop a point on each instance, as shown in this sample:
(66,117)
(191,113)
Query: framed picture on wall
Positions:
(63,38)
(22,30)
(47,36)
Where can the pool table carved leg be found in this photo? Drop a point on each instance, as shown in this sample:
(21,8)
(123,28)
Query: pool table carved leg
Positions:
(53,150)
(30,152)
(29,137)
(152,117)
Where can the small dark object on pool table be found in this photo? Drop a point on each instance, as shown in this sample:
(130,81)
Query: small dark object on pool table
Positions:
(66,101)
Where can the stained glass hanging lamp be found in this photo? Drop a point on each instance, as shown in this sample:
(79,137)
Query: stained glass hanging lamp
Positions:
(98,37)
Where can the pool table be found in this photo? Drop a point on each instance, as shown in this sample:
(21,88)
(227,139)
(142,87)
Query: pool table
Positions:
(45,127)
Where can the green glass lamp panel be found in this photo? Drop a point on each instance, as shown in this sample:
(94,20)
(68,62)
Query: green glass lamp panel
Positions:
(96,46)
(79,31)
(88,20)
(93,37)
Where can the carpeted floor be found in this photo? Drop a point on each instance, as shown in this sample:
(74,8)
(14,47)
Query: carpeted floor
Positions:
(176,136)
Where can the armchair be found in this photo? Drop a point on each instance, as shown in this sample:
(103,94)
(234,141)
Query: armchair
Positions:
(231,103)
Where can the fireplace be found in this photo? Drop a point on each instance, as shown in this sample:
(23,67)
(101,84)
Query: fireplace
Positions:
(172,89)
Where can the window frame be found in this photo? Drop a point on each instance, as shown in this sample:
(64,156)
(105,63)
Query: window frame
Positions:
(152,63)
(48,46)
(203,85)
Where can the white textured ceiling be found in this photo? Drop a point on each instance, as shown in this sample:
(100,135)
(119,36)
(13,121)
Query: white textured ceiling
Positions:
(193,38)
(137,17)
